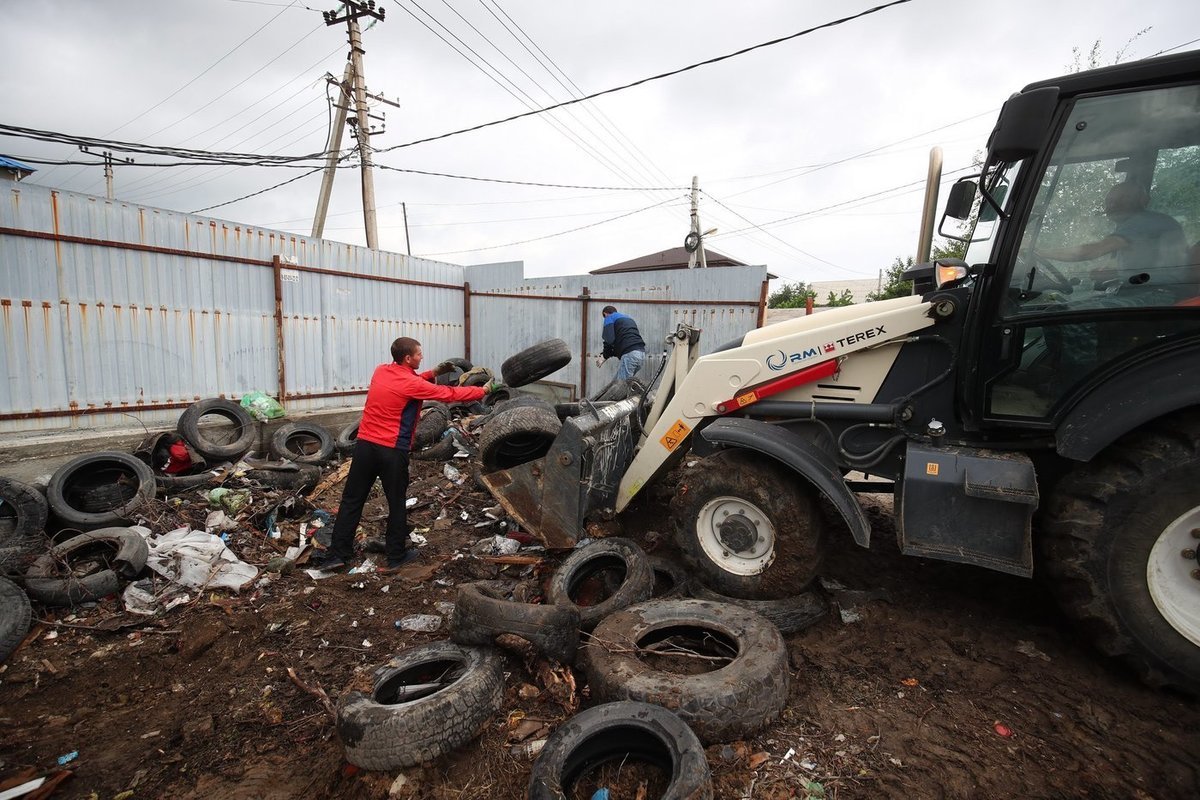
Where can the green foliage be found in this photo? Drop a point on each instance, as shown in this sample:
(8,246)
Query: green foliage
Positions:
(791,295)
(846,298)
(895,286)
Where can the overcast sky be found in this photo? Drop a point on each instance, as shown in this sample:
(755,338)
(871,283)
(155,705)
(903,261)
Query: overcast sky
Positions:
(823,128)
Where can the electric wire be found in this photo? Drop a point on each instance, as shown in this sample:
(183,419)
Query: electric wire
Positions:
(260,191)
(535,183)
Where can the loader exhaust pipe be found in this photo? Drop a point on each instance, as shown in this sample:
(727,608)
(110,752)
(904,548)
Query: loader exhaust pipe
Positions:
(929,213)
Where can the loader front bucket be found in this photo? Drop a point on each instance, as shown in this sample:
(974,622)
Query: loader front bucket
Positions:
(551,497)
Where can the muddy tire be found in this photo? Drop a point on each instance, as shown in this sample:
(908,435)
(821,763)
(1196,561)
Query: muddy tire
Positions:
(435,419)
(522,401)
(671,579)
(99,490)
(790,614)
(346,439)
(616,732)
(302,442)
(1115,537)
(228,446)
(293,477)
(482,613)
(495,397)
(170,484)
(55,579)
(517,436)
(731,702)
(15,616)
(476,376)
(22,522)
(748,526)
(380,731)
(441,450)
(619,575)
(536,362)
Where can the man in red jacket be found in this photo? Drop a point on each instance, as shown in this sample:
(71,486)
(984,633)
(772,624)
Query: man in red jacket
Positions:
(385,437)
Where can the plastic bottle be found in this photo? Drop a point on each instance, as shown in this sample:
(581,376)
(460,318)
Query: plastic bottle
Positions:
(419,622)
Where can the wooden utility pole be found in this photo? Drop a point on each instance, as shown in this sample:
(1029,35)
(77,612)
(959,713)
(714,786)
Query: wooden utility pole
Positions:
(362,122)
(335,147)
(695,236)
(108,168)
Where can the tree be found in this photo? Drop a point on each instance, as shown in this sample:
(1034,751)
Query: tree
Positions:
(791,295)
(846,298)
(895,286)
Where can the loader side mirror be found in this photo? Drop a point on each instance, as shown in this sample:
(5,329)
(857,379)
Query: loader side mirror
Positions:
(961,199)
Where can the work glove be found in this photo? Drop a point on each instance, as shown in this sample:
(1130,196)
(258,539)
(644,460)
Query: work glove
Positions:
(600,361)
(443,368)
(493,386)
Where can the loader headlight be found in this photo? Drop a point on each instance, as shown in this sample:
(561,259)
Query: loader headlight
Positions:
(945,274)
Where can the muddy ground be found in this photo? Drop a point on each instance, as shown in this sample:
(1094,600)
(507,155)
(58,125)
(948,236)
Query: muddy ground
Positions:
(953,682)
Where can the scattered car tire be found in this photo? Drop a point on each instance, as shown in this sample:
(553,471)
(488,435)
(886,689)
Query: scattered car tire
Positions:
(293,477)
(748,526)
(22,521)
(15,616)
(347,437)
(616,389)
(46,582)
(536,362)
(671,579)
(482,612)
(211,448)
(521,401)
(435,419)
(790,614)
(496,396)
(302,442)
(476,376)
(612,558)
(441,450)
(616,732)
(380,731)
(732,702)
(517,436)
(182,483)
(99,489)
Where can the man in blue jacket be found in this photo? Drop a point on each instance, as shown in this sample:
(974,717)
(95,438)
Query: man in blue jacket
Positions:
(622,340)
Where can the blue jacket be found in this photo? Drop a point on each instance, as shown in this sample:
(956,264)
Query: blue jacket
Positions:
(621,336)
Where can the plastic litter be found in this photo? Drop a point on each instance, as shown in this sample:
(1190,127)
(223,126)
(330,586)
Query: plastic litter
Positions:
(496,546)
(419,622)
(366,566)
(68,757)
(196,559)
(453,474)
(262,406)
(601,794)
(230,500)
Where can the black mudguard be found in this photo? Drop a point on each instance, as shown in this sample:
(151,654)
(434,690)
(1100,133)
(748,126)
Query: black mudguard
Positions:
(812,463)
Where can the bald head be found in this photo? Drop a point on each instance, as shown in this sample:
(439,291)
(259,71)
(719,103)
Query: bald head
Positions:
(1125,199)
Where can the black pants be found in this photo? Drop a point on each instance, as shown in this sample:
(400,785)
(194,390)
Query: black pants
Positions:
(390,466)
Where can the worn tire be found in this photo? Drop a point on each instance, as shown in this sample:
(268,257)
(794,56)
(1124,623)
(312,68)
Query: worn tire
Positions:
(347,437)
(79,492)
(190,429)
(302,478)
(623,556)
(617,731)
(536,362)
(790,614)
(22,521)
(381,735)
(302,442)
(495,397)
(435,419)
(733,702)
(182,483)
(46,582)
(442,450)
(517,436)
(1120,524)
(482,613)
(756,488)
(476,376)
(15,616)
(616,389)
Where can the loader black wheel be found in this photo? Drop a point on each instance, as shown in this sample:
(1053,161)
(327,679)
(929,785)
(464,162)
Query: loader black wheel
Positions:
(628,734)
(218,429)
(400,725)
(647,653)
(22,522)
(303,443)
(748,526)
(517,436)
(1119,544)
(100,489)
(483,612)
(536,362)
(600,578)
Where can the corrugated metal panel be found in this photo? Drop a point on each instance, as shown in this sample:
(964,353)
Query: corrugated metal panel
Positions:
(722,302)
(188,311)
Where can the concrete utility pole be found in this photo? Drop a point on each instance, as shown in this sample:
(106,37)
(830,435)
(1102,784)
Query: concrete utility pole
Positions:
(108,170)
(362,123)
(335,147)
(694,241)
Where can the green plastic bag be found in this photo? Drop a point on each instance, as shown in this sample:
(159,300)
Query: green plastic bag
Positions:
(262,406)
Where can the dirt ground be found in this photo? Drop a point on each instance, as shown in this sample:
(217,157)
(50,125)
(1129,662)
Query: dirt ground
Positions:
(948,682)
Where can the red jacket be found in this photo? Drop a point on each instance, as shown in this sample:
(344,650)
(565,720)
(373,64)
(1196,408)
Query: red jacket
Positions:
(394,403)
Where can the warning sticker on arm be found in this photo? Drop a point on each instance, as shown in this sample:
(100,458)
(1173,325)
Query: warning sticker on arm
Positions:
(675,436)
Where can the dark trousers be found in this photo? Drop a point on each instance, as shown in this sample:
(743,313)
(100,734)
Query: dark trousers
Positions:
(390,466)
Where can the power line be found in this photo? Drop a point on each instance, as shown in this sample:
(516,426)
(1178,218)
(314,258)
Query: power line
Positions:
(535,183)
(260,191)
(657,77)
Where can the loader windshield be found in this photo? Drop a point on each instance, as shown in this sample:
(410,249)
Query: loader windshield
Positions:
(982,237)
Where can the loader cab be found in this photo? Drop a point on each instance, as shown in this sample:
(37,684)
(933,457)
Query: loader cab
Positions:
(1085,253)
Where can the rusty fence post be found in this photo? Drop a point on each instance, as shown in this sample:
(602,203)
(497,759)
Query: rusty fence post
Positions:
(583,340)
(277,269)
(762,304)
(467,320)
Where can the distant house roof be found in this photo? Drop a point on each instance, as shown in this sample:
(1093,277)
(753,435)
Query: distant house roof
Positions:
(675,258)
(13,165)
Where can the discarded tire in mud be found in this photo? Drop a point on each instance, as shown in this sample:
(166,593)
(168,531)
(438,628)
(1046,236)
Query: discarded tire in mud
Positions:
(219,429)
(495,405)
(154,451)
(790,614)
(628,733)
(86,567)
(15,616)
(346,439)
(517,436)
(476,376)
(601,578)
(618,389)
(99,489)
(748,526)
(536,362)
(435,418)
(441,450)
(303,443)
(294,477)
(670,578)
(482,613)
(426,701)
(22,521)
(644,653)
(497,396)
